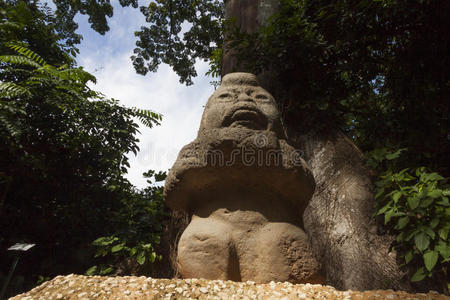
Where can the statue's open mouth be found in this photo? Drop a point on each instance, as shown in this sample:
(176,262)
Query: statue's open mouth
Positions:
(246,117)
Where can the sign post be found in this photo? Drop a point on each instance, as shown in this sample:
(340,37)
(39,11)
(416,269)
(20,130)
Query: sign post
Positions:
(18,250)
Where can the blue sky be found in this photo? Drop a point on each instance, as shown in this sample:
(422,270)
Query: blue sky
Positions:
(108,58)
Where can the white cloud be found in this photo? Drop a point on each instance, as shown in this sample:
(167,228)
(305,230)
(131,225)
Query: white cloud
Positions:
(108,58)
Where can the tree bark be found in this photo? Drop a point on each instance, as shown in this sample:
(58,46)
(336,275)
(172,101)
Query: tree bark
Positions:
(338,220)
(249,16)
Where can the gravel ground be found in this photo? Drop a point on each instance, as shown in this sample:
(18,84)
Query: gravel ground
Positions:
(78,287)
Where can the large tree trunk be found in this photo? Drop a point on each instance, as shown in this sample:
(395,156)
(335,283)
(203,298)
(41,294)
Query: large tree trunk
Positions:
(339,219)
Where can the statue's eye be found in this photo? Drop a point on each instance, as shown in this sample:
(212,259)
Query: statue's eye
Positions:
(224,96)
(261,97)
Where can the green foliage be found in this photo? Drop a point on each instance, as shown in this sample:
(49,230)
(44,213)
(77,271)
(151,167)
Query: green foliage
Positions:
(178,32)
(11,90)
(98,11)
(52,33)
(32,24)
(163,41)
(136,232)
(42,279)
(147,117)
(415,206)
(215,66)
(26,53)
(377,69)
(19,60)
(63,153)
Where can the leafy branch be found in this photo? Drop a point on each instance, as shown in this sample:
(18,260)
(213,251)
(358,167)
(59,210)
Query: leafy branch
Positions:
(147,117)
(138,230)
(415,206)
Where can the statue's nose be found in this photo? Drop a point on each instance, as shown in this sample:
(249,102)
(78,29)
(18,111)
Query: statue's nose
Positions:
(244,97)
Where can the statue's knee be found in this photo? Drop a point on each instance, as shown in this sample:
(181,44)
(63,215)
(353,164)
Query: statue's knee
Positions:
(204,235)
(204,249)
(284,254)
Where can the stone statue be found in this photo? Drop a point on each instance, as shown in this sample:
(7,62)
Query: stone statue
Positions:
(246,189)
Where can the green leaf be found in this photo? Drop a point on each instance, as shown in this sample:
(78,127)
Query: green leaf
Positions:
(101,252)
(434,177)
(160,176)
(408,256)
(147,246)
(420,170)
(411,234)
(409,177)
(426,177)
(104,241)
(379,192)
(443,248)
(413,202)
(106,271)
(117,248)
(402,222)
(383,209)
(436,193)
(443,233)
(430,258)
(419,275)
(396,196)
(426,202)
(422,241)
(394,155)
(91,271)
(434,222)
(141,258)
(153,257)
(430,232)
(400,237)
(388,215)
(444,202)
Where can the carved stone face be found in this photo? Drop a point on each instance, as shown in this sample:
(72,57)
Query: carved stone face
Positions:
(241,102)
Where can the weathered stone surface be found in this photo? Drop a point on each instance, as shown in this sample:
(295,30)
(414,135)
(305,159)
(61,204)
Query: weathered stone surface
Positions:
(78,287)
(246,189)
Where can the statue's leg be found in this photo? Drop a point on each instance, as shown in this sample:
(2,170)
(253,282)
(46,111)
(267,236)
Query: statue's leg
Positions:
(279,252)
(206,251)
